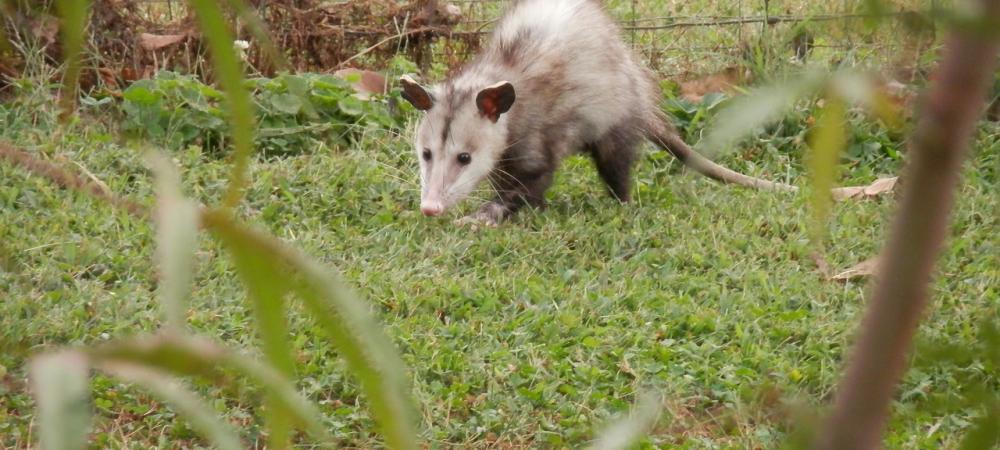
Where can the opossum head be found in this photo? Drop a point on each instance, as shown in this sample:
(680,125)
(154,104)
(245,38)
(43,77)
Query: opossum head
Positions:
(460,139)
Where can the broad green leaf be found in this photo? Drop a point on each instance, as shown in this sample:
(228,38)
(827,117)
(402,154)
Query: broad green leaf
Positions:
(827,142)
(713,99)
(331,83)
(189,356)
(187,404)
(299,86)
(352,78)
(60,383)
(176,240)
(745,115)
(351,106)
(369,353)
(287,103)
(142,92)
(229,71)
(92,102)
(73,25)
(629,430)
(210,92)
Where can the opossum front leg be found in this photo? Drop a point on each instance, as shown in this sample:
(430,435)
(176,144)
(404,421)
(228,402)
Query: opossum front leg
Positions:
(513,193)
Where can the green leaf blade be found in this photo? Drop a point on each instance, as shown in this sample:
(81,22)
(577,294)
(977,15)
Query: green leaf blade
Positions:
(221,434)
(62,390)
(267,286)
(176,241)
(369,353)
(73,26)
(230,73)
(743,115)
(187,356)
(827,142)
(627,431)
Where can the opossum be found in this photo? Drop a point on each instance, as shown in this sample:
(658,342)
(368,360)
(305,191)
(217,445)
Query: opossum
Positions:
(556,78)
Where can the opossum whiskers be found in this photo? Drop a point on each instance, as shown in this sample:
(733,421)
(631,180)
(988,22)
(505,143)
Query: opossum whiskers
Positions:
(510,176)
(399,175)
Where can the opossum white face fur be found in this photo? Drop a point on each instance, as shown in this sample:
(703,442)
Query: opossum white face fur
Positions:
(459,140)
(578,89)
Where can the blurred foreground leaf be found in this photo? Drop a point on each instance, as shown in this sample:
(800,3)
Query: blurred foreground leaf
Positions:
(60,383)
(267,284)
(985,432)
(74,15)
(229,71)
(221,434)
(187,356)
(176,240)
(761,106)
(628,431)
(860,89)
(369,353)
(827,142)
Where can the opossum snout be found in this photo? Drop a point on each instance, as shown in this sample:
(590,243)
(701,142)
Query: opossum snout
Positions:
(431,208)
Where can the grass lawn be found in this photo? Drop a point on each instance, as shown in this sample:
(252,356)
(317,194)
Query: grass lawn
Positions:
(533,334)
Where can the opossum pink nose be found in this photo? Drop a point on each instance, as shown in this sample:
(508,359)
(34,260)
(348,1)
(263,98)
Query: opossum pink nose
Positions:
(431,208)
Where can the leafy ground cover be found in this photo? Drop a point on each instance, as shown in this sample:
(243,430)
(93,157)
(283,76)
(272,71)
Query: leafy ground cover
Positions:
(529,335)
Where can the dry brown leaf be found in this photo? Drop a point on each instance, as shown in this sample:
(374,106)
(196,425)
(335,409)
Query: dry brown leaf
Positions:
(880,186)
(157,41)
(108,75)
(369,83)
(695,90)
(863,269)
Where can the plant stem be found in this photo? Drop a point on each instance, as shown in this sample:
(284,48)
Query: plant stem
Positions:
(938,147)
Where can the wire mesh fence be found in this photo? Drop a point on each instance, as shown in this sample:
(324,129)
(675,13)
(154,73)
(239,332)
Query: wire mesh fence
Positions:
(677,38)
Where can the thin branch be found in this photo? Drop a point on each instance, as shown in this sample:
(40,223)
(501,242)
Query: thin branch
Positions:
(938,147)
(710,21)
(770,20)
(70,180)
(386,41)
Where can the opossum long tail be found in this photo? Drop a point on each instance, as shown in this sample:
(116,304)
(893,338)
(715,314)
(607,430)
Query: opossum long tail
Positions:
(666,138)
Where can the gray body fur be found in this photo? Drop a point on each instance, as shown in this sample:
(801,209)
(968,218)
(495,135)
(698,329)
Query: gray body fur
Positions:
(578,89)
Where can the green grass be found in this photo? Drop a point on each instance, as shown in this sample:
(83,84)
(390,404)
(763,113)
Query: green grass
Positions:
(533,334)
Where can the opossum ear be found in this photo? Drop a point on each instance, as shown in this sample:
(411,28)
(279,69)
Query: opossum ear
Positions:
(496,100)
(416,94)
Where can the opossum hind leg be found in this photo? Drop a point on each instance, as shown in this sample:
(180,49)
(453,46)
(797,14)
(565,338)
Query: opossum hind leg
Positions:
(614,155)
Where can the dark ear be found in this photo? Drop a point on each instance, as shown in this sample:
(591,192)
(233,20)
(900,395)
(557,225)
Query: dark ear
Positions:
(416,94)
(495,100)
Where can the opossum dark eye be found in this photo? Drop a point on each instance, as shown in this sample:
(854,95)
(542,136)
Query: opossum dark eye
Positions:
(464,159)
(427,154)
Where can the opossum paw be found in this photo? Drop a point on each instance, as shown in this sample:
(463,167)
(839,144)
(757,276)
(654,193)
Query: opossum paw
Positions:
(489,215)
(477,220)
